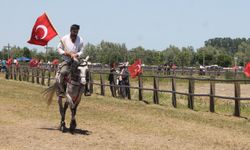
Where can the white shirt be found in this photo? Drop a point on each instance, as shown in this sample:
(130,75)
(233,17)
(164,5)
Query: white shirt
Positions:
(14,61)
(68,45)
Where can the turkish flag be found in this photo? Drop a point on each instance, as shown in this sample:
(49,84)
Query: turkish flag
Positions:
(9,61)
(55,62)
(135,69)
(247,69)
(43,31)
(33,63)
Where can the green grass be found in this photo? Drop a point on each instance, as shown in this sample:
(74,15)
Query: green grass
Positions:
(22,101)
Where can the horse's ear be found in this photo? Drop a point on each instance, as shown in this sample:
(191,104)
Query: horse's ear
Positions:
(82,59)
(87,58)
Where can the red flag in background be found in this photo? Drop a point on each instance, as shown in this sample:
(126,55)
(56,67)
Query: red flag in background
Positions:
(9,61)
(43,31)
(247,69)
(55,62)
(135,69)
(33,63)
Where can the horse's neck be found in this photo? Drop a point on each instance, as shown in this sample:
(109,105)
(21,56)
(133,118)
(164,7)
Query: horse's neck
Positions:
(73,76)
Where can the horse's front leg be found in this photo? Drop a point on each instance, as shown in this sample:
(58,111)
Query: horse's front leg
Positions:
(73,119)
(62,110)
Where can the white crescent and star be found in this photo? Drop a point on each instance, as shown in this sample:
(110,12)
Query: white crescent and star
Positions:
(45,31)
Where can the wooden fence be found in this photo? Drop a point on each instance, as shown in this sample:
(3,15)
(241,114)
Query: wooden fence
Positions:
(39,75)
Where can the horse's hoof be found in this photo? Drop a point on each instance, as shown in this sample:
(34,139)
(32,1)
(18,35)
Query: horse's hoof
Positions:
(63,127)
(72,126)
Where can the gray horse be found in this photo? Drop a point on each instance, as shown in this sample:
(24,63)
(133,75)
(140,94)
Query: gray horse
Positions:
(75,87)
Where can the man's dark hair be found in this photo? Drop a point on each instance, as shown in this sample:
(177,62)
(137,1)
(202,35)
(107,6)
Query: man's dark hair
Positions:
(74,27)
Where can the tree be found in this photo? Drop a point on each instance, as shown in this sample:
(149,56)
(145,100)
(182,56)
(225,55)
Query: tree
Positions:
(26,52)
(224,60)
(171,55)
(186,56)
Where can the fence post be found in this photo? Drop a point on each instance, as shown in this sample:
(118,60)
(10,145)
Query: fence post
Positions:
(102,85)
(23,74)
(43,75)
(237,102)
(28,74)
(37,76)
(155,93)
(11,72)
(49,71)
(20,73)
(140,87)
(113,86)
(128,89)
(212,93)
(33,76)
(190,92)
(91,82)
(15,72)
(7,73)
(174,94)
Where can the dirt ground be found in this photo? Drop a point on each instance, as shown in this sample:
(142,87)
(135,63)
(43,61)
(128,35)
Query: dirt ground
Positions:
(108,123)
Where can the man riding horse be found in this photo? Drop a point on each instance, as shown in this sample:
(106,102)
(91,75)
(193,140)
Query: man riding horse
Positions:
(70,78)
(70,47)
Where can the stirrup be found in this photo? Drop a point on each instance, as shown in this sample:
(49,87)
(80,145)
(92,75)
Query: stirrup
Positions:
(62,95)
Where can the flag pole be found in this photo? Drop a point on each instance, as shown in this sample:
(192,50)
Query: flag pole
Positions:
(55,30)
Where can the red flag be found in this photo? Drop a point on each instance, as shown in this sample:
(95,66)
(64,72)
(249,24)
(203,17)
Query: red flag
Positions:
(55,62)
(33,63)
(135,69)
(9,61)
(43,31)
(247,70)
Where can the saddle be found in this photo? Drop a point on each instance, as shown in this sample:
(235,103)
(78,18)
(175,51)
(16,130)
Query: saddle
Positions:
(73,75)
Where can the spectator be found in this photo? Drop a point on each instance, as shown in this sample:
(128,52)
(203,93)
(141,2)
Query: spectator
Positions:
(124,80)
(112,79)
(174,68)
(201,70)
(15,61)
(8,63)
(3,65)
(168,69)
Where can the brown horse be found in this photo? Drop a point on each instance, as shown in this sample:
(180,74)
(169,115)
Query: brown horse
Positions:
(75,87)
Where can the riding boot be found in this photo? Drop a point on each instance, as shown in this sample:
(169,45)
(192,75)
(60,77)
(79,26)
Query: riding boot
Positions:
(61,86)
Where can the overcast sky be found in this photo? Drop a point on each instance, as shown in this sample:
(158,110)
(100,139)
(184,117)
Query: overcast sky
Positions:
(152,24)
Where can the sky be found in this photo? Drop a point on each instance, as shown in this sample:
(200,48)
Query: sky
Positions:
(152,24)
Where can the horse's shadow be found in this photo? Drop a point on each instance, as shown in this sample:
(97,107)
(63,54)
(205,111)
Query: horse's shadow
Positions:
(77,131)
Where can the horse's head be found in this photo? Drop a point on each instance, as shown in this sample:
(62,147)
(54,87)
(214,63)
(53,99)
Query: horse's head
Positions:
(83,67)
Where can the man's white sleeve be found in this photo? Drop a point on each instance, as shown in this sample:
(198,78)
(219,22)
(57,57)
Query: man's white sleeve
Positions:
(60,48)
(81,49)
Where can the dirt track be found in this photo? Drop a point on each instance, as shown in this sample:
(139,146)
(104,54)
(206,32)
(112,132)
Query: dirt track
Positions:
(26,123)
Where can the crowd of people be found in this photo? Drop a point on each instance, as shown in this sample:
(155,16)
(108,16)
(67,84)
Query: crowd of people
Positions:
(167,68)
(4,64)
(119,77)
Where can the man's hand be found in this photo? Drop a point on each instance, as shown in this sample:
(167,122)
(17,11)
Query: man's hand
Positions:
(70,54)
(67,53)
(73,55)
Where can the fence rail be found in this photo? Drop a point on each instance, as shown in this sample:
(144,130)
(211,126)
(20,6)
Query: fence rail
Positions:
(39,75)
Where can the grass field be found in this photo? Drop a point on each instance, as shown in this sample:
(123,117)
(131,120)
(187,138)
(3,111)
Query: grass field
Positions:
(109,123)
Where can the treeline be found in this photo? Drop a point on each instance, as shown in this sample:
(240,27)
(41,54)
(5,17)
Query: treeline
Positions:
(221,51)
(16,52)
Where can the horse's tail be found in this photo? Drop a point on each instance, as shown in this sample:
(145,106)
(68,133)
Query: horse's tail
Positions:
(49,93)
